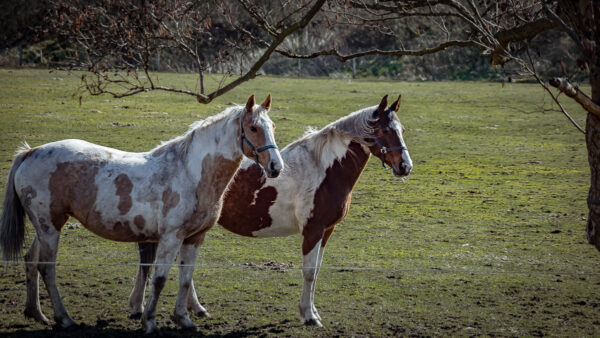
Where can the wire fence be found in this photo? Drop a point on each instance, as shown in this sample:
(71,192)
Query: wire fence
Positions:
(279,267)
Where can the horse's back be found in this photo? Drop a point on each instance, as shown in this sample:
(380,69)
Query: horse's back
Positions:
(71,178)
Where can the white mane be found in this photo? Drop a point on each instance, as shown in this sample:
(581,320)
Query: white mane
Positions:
(331,142)
(180,144)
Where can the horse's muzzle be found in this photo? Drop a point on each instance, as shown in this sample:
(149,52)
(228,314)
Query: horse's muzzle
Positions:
(274,169)
(402,171)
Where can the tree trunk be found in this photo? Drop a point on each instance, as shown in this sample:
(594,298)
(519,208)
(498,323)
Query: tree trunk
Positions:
(592,140)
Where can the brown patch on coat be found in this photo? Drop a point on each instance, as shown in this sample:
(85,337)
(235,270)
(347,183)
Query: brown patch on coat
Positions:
(27,194)
(242,213)
(331,200)
(329,230)
(139,222)
(120,231)
(170,200)
(124,188)
(216,175)
(73,192)
(43,224)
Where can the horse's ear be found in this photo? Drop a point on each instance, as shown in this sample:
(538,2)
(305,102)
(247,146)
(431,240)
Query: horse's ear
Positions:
(250,103)
(381,107)
(267,103)
(396,105)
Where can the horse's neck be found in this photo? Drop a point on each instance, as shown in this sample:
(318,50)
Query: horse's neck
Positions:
(215,148)
(344,162)
(348,168)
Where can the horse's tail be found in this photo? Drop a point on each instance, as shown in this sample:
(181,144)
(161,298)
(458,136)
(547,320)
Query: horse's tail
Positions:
(12,225)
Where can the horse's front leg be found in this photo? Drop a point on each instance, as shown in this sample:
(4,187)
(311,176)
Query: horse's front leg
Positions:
(167,249)
(187,259)
(310,266)
(136,299)
(319,261)
(193,304)
(326,235)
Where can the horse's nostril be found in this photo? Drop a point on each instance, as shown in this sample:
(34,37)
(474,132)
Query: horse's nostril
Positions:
(274,173)
(272,166)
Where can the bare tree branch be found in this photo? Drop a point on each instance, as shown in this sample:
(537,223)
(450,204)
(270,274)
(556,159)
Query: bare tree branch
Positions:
(402,52)
(573,92)
(120,40)
(525,31)
(564,26)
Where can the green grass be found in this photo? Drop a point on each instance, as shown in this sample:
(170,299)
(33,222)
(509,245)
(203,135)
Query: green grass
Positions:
(487,237)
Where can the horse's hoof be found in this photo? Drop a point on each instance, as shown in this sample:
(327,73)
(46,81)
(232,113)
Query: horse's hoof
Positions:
(37,316)
(201,314)
(313,322)
(136,315)
(316,313)
(184,322)
(150,327)
(65,323)
(198,311)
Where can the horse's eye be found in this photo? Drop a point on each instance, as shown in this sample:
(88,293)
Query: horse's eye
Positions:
(386,130)
(253,129)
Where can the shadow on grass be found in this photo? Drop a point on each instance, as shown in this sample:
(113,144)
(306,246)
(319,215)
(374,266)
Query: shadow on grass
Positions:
(101,330)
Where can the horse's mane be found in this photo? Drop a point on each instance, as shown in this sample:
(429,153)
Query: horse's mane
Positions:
(181,144)
(326,142)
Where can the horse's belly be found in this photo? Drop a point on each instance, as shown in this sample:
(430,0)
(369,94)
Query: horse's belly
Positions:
(277,229)
(253,224)
(135,230)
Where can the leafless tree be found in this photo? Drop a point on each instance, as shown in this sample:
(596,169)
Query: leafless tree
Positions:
(119,41)
(502,30)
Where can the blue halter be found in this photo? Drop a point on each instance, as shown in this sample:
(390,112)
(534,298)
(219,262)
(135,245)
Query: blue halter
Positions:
(255,151)
(384,150)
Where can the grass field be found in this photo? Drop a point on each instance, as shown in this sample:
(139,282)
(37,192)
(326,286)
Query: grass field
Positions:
(486,237)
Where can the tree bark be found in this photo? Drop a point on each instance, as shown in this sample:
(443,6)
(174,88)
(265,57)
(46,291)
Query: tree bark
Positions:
(592,140)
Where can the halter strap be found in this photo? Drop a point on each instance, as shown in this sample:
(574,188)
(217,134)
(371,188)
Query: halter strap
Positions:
(255,151)
(384,150)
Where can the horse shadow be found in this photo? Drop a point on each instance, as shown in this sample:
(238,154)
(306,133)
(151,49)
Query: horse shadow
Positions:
(101,329)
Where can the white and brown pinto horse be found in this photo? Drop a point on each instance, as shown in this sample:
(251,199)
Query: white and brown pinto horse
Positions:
(310,197)
(170,195)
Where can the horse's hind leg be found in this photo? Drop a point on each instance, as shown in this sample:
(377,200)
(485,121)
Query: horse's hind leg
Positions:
(48,246)
(136,299)
(32,304)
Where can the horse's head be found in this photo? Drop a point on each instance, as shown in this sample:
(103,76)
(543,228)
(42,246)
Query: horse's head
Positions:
(387,142)
(257,137)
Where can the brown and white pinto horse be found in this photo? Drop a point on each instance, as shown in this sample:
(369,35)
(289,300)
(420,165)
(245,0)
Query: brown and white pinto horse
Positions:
(170,195)
(310,197)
